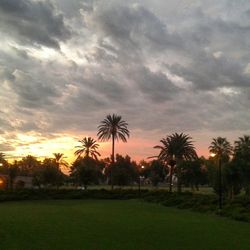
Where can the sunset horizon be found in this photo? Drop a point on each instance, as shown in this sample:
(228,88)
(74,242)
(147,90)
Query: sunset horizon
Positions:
(137,148)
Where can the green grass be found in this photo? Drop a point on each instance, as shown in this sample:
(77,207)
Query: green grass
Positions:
(117,225)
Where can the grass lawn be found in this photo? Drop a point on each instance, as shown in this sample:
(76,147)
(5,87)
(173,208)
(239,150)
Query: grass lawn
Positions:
(104,224)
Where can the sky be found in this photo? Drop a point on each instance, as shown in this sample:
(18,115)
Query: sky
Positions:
(165,66)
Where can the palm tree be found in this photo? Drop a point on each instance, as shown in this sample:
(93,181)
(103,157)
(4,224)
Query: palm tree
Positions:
(242,146)
(174,149)
(28,164)
(2,155)
(59,158)
(242,157)
(115,128)
(2,159)
(88,148)
(12,174)
(222,149)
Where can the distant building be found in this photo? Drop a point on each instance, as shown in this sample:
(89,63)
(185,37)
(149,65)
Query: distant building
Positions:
(19,182)
(23,182)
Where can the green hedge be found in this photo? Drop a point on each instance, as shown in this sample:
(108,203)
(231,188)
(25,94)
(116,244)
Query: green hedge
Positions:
(66,194)
(238,209)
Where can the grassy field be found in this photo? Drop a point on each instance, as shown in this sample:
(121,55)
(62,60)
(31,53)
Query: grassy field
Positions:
(114,225)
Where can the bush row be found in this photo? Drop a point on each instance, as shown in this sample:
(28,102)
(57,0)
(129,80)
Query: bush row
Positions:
(67,194)
(238,209)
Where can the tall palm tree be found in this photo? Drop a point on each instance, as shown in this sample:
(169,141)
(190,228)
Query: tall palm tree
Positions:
(174,149)
(12,174)
(2,155)
(242,157)
(222,149)
(88,148)
(2,159)
(59,158)
(3,163)
(28,164)
(115,128)
(242,146)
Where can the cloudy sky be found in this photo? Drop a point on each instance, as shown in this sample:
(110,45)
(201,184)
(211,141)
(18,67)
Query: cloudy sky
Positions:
(164,65)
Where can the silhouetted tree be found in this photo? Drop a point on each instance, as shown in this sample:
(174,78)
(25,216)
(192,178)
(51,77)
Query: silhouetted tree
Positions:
(174,149)
(28,164)
(193,173)
(3,164)
(156,172)
(232,179)
(242,159)
(61,163)
(221,148)
(114,128)
(88,148)
(242,147)
(86,171)
(2,157)
(123,170)
(13,170)
(51,175)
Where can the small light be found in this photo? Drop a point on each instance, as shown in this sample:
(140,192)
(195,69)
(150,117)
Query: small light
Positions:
(142,167)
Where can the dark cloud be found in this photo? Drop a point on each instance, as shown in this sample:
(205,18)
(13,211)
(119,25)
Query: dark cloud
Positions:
(165,66)
(132,28)
(209,71)
(6,73)
(27,126)
(108,89)
(4,123)
(33,23)
(154,85)
(32,93)
(6,147)
(21,53)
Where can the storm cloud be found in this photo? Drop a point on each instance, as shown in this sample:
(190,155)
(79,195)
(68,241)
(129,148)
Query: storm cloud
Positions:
(165,66)
(32,22)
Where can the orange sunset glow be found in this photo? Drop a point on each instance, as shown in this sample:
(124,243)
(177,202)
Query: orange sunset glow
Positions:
(41,147)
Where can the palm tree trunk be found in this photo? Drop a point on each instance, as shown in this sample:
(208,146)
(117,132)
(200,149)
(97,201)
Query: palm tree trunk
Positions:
(170,178)
(232,193)
(112,162)
(113,149)
(220,184)
(179,184)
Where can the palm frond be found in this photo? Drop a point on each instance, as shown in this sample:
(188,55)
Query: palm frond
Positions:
(88,147)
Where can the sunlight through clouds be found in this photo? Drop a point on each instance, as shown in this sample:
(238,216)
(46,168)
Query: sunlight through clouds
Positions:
(40,146)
